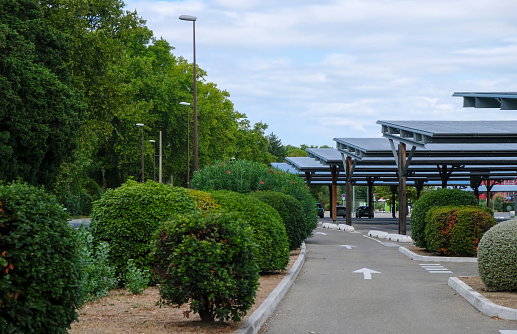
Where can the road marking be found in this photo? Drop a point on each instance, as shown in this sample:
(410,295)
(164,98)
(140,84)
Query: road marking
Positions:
(389,244)
(347,246)
(367,273)
(509,331)
(321,233)
(435,268)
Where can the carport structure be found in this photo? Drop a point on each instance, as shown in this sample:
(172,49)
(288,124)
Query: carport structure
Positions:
(440,150)
(371,162)
(498,139)
(503,101)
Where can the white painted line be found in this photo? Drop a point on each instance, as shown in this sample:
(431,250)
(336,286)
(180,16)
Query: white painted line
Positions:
(509,331)
(389,244)
(321,233)
(367,273)
(347,246)
(435,268)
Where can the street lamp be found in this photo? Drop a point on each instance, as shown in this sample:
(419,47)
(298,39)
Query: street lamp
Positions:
(140,124)
(193,19)
(188,142)
(154,159)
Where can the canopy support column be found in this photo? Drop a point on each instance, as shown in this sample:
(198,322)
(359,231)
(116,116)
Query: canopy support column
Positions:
(370,197)
(349,188)
(333,193)
(402,188)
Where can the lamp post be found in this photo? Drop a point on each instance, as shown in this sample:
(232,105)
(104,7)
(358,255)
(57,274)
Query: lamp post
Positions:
(188,142)
(193,19)
(154,159)
(140,124)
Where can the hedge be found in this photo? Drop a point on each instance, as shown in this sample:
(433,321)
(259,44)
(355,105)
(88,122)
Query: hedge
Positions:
(456,230)
(497,257)
(290,211)
(439,197)
(40,272)
(127,218)
(268,229)
(207,261)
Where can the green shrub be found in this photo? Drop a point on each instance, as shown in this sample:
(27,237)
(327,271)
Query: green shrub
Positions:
(39,260)
(439,197)
(98,277)
(456,230)
(135,280)
(127,217)
(208,261)
(268,229)
(204,201)
(497,257)
(290,211)
(499,202)
(246,176)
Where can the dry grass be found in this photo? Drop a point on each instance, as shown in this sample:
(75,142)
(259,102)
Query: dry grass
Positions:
(122,312)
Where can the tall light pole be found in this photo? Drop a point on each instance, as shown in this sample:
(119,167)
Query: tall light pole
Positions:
(154,159)
(193,19)
(140,124)
(188,142)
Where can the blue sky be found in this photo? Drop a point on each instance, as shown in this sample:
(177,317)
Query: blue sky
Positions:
(314,70)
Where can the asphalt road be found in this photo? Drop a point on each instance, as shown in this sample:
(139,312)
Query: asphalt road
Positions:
(78,222)
(400,296)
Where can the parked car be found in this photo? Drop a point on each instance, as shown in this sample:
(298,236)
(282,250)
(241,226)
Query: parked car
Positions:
(320,210)
(362,211)
(341,211)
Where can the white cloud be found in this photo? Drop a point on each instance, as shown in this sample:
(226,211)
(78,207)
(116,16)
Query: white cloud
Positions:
(314,70)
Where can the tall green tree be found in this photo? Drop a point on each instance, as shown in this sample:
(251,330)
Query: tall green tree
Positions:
(39,112)
(127,76)
(276,148)
(252,144)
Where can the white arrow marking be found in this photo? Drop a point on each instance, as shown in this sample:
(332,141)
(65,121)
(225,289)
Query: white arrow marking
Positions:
(367,273)
(347,246)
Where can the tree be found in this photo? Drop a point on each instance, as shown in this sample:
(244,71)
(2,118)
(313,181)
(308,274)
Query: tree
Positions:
(276,148)
(127,76)
(39,112)
(251,143)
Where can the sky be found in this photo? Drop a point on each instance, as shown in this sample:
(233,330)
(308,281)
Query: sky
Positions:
(314,70)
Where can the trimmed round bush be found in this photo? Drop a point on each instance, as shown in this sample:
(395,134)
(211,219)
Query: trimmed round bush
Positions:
(204,201)
(456,230)
(439,197)
(244,176)
(268,229)
(127,217)
(40,273)
(290,211)
(497,257)
(207,260)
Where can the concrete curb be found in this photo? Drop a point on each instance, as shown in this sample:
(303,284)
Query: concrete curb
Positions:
(417,257)
(253,324)
(481,303)
(484,305)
